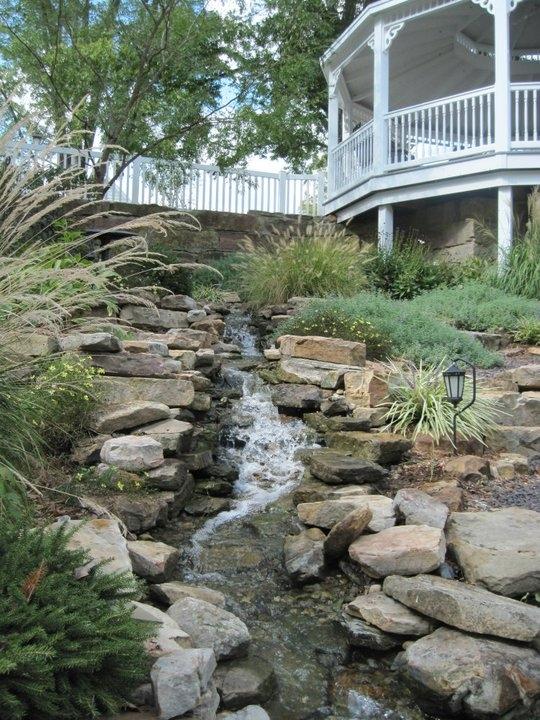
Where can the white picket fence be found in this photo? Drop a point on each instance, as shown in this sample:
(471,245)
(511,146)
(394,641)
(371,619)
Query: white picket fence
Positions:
(195,187)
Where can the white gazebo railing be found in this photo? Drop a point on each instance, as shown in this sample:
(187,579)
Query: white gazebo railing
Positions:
(454,126)
(190,187)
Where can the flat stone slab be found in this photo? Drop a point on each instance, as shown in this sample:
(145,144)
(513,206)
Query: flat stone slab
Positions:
(388,615)
(361,634)
(296,397)
(90,342)
(401,550)
(304,557)
(169,592)
(126,364)
(178,302)
(334,468)
(149,317)
(119,390)
(473,676)
(211,627)
(113,418)
(324,424)
(419,508)
(324,374)
(173,435)
(327,513)
(466,607)
(323,349)
(498,550)
(381,448)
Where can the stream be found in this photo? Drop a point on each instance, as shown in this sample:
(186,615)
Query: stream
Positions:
(239,552)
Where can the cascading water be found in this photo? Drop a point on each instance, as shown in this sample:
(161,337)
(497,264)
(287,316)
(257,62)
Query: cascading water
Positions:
(240,552)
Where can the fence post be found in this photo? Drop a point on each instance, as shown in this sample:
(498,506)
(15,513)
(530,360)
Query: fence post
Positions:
(282,194)
(135,180)
(321,178)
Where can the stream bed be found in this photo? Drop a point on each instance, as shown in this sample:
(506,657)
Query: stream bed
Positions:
(240,551)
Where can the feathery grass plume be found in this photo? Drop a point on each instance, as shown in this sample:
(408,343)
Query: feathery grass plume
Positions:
(48,277)
(418,405)
(319,260)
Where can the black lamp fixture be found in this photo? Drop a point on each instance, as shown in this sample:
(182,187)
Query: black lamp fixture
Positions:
(454,382)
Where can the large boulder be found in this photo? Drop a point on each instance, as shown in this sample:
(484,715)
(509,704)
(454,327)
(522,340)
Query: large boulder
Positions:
(470,468)
(211,627)
(401,550)
(126,364)
(171,475)
(388,615)
(323,349)
(103,541)
(381,448)
(312,372)
(173,435)
(132,453)
(466,607)
(169,592)
(327,513)
(419,508)
(176,392)
(448,492)
(345,532)
(498,550)
(167,637)
(335,468)
(296,397)
(473,677)
(367,387)
(527,410)
(178,302)
(112,418)
(98,342)
(180,679)
(304,557)
(516,439)
(245,682)
(153,561)
(140,512)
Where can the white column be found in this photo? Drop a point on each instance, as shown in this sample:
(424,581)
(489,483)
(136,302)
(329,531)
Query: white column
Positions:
(503,122)
(505,223)
(386,227)
(333,124)
(380,97)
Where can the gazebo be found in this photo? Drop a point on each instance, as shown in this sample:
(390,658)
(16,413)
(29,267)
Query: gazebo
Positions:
(429,98)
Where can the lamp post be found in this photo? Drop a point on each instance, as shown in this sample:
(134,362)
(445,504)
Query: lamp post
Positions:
(454,381)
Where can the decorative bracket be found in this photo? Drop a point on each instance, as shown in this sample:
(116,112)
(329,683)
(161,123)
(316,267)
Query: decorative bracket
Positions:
(333,81)
(391,32)
(371,41)
(489,5)
(512,4)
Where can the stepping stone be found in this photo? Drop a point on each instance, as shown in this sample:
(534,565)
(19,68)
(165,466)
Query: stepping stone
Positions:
(327,513)
(498,550)
(173,435)
(345,532)
(180,680)
(113,418)
(381,448)
(466,607)
(401,550)
(388,615)
(132,453)
(419,508)
(304,557)
(336,469)
(211,627)
(169,592)
(153,561)
(473,676)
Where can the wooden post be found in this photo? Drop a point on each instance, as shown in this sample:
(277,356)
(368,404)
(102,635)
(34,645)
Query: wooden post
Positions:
(380,98)
(386,227)
(282,196)
(333,126)
(503,117)
(505,223)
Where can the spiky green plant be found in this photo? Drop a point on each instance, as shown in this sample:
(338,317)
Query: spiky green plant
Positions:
(70,649)
(417,405)
(317,261)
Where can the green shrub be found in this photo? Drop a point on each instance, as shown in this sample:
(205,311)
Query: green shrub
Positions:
(528,332)
(329,320)
(407,269)
(320,261)
(70,649)
(412,334)
(169,275)
(521,270)
(478,307)
(227,267)
(418,406)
